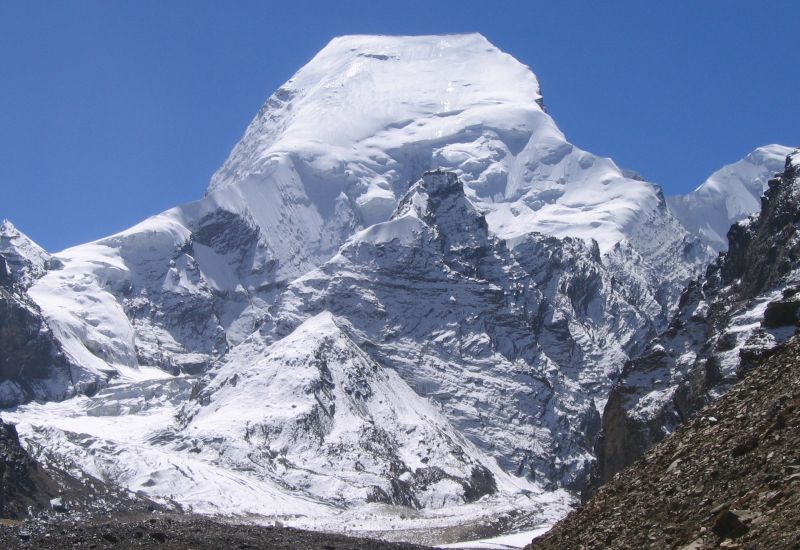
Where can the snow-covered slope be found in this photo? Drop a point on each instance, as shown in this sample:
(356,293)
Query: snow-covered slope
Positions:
(317,413)
(731,194)
(518,346)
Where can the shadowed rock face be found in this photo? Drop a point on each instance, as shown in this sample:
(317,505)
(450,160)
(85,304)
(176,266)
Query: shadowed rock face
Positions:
(734,316)
(22,481)
(31,363)
(728,475)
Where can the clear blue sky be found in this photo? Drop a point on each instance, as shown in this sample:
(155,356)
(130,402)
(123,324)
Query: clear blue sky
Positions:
(113,111)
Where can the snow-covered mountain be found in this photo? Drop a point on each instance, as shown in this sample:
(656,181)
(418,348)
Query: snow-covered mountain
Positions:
(330,153)
(403,287)
(515,345)
(729,195)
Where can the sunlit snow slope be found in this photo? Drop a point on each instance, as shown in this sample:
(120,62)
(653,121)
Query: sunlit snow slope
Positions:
(731,194)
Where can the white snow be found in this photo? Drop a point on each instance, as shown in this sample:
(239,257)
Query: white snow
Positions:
(729,195)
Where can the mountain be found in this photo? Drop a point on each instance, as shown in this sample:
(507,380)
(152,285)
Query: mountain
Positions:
(179,290)
(727,478)
(741,309)
(730,195)
(404,287)
(317,413)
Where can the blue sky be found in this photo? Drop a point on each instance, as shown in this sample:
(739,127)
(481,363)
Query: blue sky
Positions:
(113,111)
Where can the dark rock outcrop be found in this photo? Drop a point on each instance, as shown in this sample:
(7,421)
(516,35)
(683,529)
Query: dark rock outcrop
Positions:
(32,365)
(727,321)
(23,483)
(729,477)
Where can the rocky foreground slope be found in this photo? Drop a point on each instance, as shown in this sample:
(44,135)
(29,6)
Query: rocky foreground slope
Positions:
(728,478)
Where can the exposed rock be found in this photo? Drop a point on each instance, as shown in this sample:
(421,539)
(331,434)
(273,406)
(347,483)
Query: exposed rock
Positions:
(728,477)
(726,322)
(728,524)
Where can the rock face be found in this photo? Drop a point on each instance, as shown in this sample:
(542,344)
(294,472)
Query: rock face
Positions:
(728,477)
(32,364)
(744,306)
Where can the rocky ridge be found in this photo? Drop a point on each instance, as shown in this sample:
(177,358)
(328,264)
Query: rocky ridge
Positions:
(743,307)
(727,478)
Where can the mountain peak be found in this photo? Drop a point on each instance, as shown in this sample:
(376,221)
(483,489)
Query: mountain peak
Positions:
(363,42)
(24,258)
(373,93)
(729,195)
